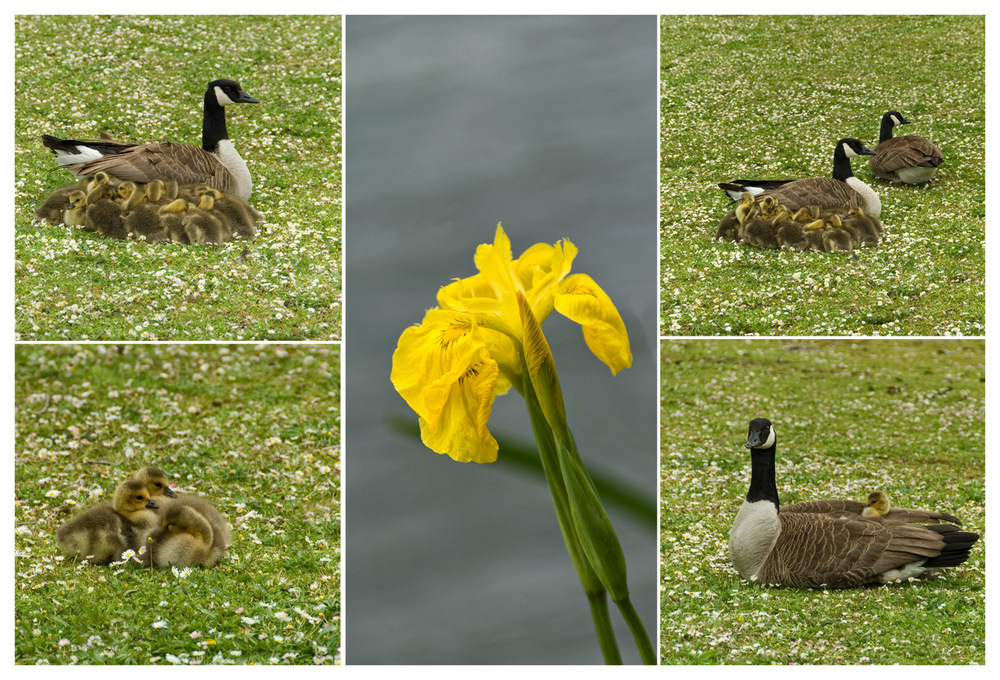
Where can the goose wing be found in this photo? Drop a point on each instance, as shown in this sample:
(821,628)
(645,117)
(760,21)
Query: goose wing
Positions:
(826,192)
(907,151)
(163,160)
(848,508)
(818,550)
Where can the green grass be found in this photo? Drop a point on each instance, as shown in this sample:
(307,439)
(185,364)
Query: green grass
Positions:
(768,97)
(906,416)
(254,428)
(142,79)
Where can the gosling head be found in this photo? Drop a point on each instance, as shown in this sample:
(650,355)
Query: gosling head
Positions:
(878,504)
(155,481)
(131,496)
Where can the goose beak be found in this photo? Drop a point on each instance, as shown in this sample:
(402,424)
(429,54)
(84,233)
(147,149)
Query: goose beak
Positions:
(244,98)
(865,151)
(152,504)
(757,438)
(170,492)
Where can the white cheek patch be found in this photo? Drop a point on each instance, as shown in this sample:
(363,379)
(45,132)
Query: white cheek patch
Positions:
(770,440)
(848,151)
(221,97)
(895,121)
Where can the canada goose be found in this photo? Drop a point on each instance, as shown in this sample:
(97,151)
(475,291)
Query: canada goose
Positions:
(203,227)
(104,215)
(790,235)
(907,159)
(216,162)
(185,538)
(144,224)
(53,208)
(240,216)
(835,237)
(172,218)
(809,546)
(104,532)
(877,505)
(76,214)
(842,190)
(155,481)
(759,231)
(729,227)
(870,230)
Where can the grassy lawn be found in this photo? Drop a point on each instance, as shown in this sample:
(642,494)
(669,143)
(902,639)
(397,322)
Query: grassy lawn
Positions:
(256,429)
(906,416)
(142,79)
(768,97)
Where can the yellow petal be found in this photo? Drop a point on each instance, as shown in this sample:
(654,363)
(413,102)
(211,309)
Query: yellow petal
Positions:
(583,301)
(443,370)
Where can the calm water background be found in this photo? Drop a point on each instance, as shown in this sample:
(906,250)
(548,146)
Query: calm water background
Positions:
(452,124)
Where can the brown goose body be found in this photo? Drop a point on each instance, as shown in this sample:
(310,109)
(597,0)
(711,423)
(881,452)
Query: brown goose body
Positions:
(830,543)
(907,159)
(216,163)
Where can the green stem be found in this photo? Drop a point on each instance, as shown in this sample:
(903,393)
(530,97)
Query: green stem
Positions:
(596,594)
(605,633)
(631,617)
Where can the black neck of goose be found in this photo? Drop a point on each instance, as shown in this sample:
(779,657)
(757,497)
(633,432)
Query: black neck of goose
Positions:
(841,165)
(885,132)
(762,484)
(213,126)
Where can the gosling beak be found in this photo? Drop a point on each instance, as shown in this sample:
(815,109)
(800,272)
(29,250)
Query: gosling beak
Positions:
(167,491)
(152,504)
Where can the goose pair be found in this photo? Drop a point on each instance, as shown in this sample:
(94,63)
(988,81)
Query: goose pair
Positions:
(832,543)
(908,159)
(216,163)
(180,531)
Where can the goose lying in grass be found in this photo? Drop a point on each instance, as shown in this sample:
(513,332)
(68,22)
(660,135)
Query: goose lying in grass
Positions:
(907,159)
(216,163)
(102,533)
(191,532)
(841,191)
(830,543)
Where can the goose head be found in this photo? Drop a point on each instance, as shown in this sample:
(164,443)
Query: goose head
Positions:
(155,481)
(850,147)
(894,118)
(761,434)
(225,92)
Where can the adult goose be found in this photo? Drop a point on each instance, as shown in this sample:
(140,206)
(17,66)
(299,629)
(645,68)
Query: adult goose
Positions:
(216,163)
(829,543)
(903,160)
(841,191)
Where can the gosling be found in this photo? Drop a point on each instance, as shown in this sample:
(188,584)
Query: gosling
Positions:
(102,533)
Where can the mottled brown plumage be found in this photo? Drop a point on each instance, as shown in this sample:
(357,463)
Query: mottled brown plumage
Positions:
(907,159)
(191,532)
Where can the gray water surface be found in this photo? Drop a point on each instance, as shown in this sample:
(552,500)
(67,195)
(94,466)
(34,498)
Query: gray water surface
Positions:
(453,124)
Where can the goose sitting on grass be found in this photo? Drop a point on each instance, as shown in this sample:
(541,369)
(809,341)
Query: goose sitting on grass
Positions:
(829,543)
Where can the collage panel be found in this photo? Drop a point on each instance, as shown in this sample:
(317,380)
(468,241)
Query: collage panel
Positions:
(874,451)
(177,504)
(546,125)
(172,185)
(894,245)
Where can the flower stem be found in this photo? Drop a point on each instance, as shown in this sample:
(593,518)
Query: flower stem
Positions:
(631,617)
(592,586)
(605,633)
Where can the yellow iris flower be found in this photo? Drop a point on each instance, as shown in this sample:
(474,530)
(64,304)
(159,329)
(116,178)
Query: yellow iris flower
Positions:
(464,353)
